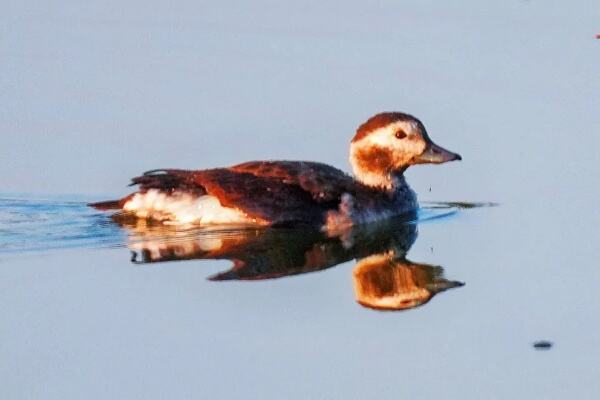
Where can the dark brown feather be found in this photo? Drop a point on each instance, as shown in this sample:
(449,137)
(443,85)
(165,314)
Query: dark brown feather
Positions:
(280,192)
(324,182)
(267,198)
(168,180)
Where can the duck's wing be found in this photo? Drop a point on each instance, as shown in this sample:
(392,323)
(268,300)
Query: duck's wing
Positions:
(278,192)
(324,182)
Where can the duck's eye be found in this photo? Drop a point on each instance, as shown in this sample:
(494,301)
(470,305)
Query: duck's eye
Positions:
(400,134)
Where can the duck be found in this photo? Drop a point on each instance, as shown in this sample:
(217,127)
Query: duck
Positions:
(294,193)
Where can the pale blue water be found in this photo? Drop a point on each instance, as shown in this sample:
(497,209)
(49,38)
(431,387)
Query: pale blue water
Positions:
(93,93)
(30,224)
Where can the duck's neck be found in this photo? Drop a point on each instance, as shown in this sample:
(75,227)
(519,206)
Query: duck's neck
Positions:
(373,166)
(389,182)
(376,174)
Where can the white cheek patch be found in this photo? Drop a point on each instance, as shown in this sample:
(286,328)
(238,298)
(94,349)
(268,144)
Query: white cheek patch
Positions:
(183,208)
(382,137)
(385,137)
(412,148)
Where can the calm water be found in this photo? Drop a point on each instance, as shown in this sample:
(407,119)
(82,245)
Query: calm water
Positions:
(93,93)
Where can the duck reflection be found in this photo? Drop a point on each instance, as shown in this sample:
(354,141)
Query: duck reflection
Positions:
(384,279)
(385,282)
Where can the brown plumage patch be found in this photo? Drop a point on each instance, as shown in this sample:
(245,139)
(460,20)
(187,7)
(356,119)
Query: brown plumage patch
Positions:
(324,182)
(381,120)
(268,198)
(374,159)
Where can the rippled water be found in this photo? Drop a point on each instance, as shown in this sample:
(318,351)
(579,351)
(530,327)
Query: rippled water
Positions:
(60,222)
(42,224)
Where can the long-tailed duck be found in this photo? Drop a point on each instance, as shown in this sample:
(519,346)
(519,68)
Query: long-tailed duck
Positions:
(275,193)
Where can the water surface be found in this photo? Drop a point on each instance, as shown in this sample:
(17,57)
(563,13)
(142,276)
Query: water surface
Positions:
(93,93)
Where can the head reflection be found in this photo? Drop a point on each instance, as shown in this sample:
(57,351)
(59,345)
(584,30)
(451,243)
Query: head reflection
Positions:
(383,278)
(384,282)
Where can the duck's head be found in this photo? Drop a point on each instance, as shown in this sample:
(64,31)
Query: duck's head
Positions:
(390,142)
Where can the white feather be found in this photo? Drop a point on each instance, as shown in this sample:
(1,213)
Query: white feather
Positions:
(183,208)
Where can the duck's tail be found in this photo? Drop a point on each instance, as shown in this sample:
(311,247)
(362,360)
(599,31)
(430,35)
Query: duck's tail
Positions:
(107,205)
(164,180)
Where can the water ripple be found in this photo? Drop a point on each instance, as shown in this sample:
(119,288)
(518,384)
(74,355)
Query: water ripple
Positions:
(34,224)
(29,224)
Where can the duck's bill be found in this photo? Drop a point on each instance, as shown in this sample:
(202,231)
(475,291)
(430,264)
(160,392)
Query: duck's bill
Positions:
(435,154)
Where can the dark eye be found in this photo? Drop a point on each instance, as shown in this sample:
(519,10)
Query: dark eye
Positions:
(400,134)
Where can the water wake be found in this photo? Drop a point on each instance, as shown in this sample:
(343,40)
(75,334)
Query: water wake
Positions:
(30,224)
